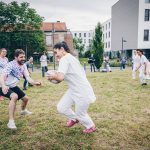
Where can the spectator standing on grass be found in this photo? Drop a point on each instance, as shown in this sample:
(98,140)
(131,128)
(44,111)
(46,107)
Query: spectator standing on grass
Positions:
(3,62)
(91,61)
(43,60)
(122,63)
(80,92)
(29,65)
(144,67)
(135,63)
(12,73)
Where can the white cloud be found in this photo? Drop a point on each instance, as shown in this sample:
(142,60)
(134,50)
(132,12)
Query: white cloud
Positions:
(78,14)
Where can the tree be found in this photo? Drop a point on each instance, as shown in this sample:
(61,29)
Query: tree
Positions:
(20,28)
(77,43)
(98,46)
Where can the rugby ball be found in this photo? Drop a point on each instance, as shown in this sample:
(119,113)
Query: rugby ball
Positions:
(52,72)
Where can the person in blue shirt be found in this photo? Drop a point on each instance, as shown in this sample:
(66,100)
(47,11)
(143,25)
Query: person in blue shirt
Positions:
(29,64)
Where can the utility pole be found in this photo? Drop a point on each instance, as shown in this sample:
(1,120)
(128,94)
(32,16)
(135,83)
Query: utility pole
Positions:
(53,31)
(122,44)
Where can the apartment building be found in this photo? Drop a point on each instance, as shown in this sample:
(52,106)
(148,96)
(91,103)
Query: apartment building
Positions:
(86,37)
(56,32)
(130,26)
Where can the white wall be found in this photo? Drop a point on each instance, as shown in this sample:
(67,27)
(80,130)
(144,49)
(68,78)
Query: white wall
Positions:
(124,23)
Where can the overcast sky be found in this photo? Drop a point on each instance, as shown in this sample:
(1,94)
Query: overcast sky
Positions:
(78,14)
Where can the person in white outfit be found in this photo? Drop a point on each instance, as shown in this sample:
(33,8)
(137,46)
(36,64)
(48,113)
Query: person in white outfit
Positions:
(136,63)
(80,92)
(3,62)
(143,67)
(43,60)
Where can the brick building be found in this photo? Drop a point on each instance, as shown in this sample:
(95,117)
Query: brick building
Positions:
(56,32)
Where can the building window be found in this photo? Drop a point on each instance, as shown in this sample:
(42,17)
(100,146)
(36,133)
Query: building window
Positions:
(89,41)
(79,34)
(89,34)
(106,35)
(75,34)
(146,35)
(147,1)
(109,34)
(84,40)
(106,26)
(147,14)
(84,34)
(106,44)
(109,25)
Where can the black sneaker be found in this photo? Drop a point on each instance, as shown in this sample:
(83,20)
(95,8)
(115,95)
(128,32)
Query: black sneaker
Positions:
(144,84)
(24,88)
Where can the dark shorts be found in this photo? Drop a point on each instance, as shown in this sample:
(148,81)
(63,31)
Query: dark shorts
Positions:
(16,90)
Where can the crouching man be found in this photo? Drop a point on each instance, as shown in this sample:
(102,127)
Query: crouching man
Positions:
(12,73)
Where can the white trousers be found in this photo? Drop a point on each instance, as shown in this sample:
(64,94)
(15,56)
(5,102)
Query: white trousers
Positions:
(81,107)
(142,76)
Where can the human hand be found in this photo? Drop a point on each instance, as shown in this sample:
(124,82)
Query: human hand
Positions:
(38,83)
(5,89)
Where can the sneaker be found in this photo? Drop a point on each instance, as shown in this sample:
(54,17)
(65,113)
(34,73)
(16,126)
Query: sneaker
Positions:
(1,98)
(90,130)
(25,112)
(71,123)
(24,88)
(144,84)
(11,125)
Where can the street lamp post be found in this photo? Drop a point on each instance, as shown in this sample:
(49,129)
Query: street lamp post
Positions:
(53,31)
(122,43)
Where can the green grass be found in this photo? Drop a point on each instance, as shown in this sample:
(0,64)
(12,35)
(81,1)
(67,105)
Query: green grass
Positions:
(121,114)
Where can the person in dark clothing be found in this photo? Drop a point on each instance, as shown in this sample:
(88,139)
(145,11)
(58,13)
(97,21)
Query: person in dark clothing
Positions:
(91,61)
(29,64)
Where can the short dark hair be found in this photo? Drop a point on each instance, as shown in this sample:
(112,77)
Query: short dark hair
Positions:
(140,51)
(18,52)
(62,44)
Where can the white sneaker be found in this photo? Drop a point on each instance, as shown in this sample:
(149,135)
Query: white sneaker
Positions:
(11,125)
(25,112)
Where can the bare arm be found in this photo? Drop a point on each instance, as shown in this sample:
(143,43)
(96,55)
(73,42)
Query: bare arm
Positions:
(2,83)
(57,76)
(30,80)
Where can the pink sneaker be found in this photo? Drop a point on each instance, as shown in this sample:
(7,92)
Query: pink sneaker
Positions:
(90,130)
(71,123)
(1,98)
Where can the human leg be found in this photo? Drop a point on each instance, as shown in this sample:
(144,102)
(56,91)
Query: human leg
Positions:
(64,106)
(24,98)
(43,71)
(11,108)
(142,78)
(81,108)
(24,111)
(25,84)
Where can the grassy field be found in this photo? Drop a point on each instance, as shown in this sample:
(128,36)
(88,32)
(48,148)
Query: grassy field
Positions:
(121,114)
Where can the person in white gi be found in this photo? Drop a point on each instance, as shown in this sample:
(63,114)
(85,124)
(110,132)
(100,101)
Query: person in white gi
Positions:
(144,67)
(43,60)
(80,92)
(11,75)
(136,63)
(3,62)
